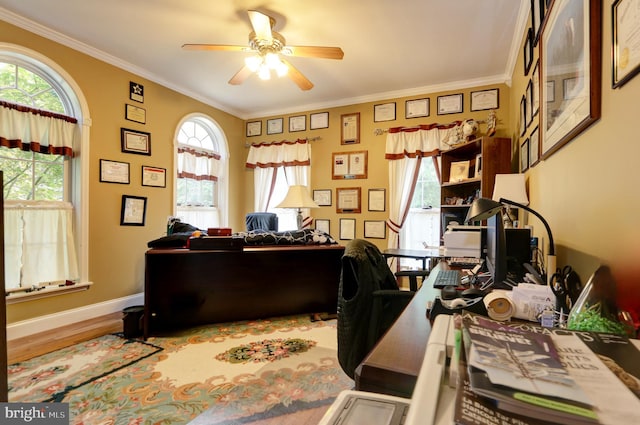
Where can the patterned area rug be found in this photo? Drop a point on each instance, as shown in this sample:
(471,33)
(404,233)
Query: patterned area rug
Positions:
(219,374)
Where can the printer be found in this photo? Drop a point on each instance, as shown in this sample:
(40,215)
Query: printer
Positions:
(463,241)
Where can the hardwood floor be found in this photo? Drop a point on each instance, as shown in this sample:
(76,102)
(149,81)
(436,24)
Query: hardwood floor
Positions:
(21,349)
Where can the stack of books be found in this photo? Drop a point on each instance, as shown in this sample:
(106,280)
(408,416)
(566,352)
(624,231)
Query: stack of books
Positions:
(518,373)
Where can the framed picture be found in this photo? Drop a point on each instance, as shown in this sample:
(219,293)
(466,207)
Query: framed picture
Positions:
(254,128)
(524,156)
(350,129)
(323,225)
(478,166)
(523,115)
(134,141)
(274,126)
(377,200)
(375,229)
(114,171)
(319,120)
(485,99)
(529,105)
(349,165)
(135,113)
(534,147)
(136,92)
(537,17)
(347,228)
(535,77)
(459,171)
(528,51)
(322,197)
(384,112)
(416,108)
(562,120)
(133,210)
(626,41)
(450,104)
(348,200)
(297,123)
(154,176)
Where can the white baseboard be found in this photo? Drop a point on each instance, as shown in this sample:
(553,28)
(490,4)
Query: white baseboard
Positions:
(67,317)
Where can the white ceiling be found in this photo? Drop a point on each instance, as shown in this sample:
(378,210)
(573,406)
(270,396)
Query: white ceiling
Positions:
(391,48)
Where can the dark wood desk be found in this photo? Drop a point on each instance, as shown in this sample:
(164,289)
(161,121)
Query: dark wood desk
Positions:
(393,365)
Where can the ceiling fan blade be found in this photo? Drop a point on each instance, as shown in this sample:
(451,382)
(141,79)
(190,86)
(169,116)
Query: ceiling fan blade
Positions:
(297,77)
(240,76)
(261,24)
(224,47)
(314,52)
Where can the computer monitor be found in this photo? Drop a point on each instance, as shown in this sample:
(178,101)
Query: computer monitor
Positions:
(496,257)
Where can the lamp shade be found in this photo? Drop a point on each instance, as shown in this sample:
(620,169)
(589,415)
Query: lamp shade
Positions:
(297,197)
(483,208)
(512,187)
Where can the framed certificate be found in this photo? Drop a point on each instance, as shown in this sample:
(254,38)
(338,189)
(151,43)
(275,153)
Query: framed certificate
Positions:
(254,128)
(323,225)
(377,200)
(626,41)
(297,123)
(114,172)
(133,211)
(319,120)
(274,126)
(349,165)
(154,176)
(134,141)
(451,104)
(322,197)
(384,112)
(347,228)
(350,129)
(348,200)
(375,229)
(485,99)
(416,108)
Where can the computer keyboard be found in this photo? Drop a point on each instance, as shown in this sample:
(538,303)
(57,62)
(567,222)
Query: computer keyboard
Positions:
(447,278)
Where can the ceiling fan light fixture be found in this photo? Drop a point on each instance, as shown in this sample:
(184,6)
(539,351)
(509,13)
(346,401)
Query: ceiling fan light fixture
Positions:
(253,63)
(264,72)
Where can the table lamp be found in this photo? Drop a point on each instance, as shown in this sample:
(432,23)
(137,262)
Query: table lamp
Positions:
(298,197)
(512,187)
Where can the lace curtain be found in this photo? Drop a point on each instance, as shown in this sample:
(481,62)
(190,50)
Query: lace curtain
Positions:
(39,238)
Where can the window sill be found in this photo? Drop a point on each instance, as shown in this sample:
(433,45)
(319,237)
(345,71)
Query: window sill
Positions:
(45,292)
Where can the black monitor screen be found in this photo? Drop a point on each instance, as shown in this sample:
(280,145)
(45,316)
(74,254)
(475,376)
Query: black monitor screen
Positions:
(496,250)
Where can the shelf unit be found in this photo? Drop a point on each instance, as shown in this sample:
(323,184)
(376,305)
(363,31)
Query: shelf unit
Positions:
(494,154)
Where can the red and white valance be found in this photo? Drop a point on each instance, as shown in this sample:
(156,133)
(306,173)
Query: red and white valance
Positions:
(35,130)
(198,165)
(420,141)
(279,154)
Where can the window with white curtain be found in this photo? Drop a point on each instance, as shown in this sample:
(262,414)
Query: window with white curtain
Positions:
(201,173)
(39,133)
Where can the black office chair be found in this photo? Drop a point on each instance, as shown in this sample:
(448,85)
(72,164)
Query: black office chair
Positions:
(369,301)
(261,221)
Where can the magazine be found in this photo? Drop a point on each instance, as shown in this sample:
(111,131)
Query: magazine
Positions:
(605,368)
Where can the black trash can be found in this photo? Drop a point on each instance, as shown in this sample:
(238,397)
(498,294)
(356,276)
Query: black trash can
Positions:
(132,321)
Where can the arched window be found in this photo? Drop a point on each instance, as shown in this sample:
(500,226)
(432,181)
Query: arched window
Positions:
(202,169)
(43,129)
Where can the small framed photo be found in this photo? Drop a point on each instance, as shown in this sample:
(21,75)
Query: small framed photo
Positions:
(478,171)
(322,197)
(375,229)
(323,225)
(377,200)
(347,228)
(134,141)
(297,123)
(350,129)
(135,113)
(154,176)
(528,51)
(114,171)
(485,99)
(459,171)
(319,120)
(254,128)
(450,104)
(524,156)
(416,108)
(136,92)
(348,200)
(274,126)
(133,210)
(534,147)
(384,112)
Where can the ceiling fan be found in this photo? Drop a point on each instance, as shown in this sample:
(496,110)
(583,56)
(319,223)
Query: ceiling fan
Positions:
(267,45)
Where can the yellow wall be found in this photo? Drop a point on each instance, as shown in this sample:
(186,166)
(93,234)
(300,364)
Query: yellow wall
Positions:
(116,253)
(587,189)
